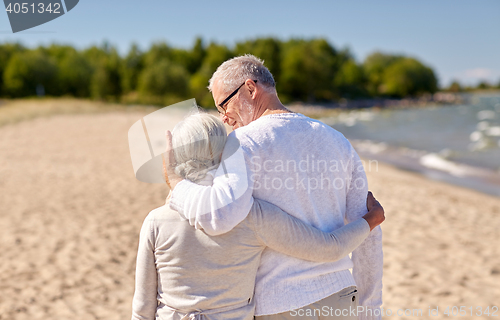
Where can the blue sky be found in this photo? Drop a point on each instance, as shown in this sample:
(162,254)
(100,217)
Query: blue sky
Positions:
(459,39)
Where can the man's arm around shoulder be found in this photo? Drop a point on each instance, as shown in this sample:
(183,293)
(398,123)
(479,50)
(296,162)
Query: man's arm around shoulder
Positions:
(220,207)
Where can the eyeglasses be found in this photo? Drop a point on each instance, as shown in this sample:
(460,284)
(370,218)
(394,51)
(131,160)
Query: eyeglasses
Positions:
(221,105)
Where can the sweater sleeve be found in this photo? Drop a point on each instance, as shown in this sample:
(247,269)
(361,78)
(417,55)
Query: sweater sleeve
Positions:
(368,257)
(145,297)
(220,207)
(289,235)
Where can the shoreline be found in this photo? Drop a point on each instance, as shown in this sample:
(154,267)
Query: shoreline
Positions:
(438,98)
(432,167)
(486,181)
(440,164)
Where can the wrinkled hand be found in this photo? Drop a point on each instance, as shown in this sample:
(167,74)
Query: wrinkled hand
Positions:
(169,163)
(376,214)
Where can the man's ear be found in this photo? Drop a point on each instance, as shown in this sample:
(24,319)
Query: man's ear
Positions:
(251,87)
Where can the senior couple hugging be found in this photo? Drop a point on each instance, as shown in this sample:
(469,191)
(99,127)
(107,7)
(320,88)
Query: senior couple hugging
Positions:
(259,223)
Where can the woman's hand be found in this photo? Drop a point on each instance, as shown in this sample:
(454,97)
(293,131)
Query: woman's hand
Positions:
(169,163)
(375,215)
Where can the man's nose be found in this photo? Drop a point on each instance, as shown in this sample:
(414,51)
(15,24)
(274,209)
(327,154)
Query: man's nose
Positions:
(224,118)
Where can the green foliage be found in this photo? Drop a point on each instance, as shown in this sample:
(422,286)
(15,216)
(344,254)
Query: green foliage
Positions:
(157,52)
(483,85)
(455,87)
(215,55)
(106,78)
(408,77)
(160,51)
(375,66)
(163,81)
(267,49)
(6,52)
(56,51)
(133,63)
(398,76)
(350,80)
(75,74)
(309,70)
(196,56)
(28,70)
(95,55)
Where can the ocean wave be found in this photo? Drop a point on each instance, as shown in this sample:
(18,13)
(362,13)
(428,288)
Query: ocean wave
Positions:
(437,162)
(413,158)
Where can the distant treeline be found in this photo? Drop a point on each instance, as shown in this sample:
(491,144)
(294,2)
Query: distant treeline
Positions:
(305,70)
(456,87)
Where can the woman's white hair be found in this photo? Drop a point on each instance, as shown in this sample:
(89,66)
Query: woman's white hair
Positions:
(235,71)
(198,142)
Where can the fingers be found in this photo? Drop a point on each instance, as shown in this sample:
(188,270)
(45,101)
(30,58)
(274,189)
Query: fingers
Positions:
(376,214)
(370,200)
(165,172)
(169,163)
(170,158)
(371,196)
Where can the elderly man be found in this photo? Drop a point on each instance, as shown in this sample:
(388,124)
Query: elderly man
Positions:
(306,168)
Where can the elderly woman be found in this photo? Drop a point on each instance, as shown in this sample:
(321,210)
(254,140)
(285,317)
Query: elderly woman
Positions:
(183,273)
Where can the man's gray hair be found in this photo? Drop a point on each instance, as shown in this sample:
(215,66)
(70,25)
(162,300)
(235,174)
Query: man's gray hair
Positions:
(236,71)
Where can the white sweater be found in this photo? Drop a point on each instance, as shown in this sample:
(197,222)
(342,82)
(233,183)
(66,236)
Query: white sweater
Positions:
(306,168)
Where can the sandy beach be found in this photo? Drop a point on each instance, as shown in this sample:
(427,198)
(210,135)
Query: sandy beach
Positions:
(71,210)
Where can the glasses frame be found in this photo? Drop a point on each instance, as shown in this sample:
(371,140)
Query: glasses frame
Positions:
(221,105)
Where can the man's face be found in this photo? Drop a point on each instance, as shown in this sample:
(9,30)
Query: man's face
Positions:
(239,109)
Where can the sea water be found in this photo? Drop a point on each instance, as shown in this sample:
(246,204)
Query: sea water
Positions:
(454,143)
